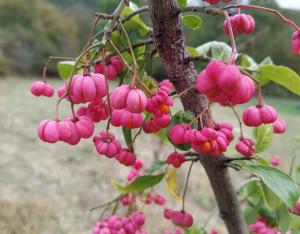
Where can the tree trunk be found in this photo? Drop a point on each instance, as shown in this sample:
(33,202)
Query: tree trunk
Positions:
(169,41)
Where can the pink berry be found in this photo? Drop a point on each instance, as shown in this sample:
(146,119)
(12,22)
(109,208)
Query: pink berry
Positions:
(159,199)
(126,200)
(126,157)
(176,133)
(177,217)
(229,79)
(48,131)
(176,159)
(166,86)
(106,144)
(138,218)
(119,96)
(275,161)
(168,213)
(252,117)
(49,91)
(37,88)
(136,101)
(117,63)
(138,164)
(296,43)
(246,147)
(68,132)
(131,120)
(110,72)
(214,231)
(279,126)
(240,23)
(268,114)
(84,126)
(245,91)
(187,220)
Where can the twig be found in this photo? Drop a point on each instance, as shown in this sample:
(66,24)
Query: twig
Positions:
(186,185)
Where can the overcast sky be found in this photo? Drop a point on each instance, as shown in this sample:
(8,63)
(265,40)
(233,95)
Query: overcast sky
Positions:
(292,4)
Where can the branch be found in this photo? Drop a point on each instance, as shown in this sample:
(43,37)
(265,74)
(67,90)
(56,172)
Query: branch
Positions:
(206,10)
(170,44)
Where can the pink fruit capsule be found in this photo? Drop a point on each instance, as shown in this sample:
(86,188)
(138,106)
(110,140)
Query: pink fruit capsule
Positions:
(131,120)
(279,126)
(252,117)
(117,63)
(126,157)
(136,101)
(246,147)
(37,88)
(176,133)
(275,161)
(49,90)
(176,159)
(119,96)
(110,72)
(84,126)
(106,144)
(268,114)
(48,131)
(229,79)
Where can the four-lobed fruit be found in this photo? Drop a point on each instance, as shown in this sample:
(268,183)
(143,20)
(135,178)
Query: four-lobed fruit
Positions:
(40,88)
(225,84)
(255,116)
(176,159)
(246,147)
(240,23)
(279,126)
(113,67)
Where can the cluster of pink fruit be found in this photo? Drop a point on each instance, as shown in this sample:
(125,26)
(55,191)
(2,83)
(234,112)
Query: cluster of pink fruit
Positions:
(113,67)
(121,225)
(240,23)
(40,88)
(215,2)
(179,218)
(225,84)
(261,227)
(208,141)
(70,130)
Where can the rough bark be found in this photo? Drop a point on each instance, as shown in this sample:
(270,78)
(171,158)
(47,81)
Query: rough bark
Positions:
(170,44)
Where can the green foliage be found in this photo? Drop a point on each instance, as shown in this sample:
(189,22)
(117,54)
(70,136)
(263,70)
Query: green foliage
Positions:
(65,69)
(216,50)
(182,3)
(127,136)
(281,75)
(140,184)
(192,21)
(263,136)
(277,182)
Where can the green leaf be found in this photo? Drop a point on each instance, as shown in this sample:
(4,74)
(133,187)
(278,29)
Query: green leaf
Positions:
(140,183)
(127,136)
(278,182)
(182,3)
(295,223)
(281,75)
(192,51)
(270,198)
(248,62)
(284,218)
(216,50)
(135,22)
(266,61)
(192,21)
(157,165)
(263,136)
(65,69)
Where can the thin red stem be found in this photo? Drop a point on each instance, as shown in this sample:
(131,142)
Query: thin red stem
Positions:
(233,45)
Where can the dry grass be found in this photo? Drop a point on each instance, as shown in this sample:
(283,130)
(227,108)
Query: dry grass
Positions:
(49,188)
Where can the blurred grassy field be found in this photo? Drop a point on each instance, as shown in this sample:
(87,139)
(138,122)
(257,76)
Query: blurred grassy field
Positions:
(49,188)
